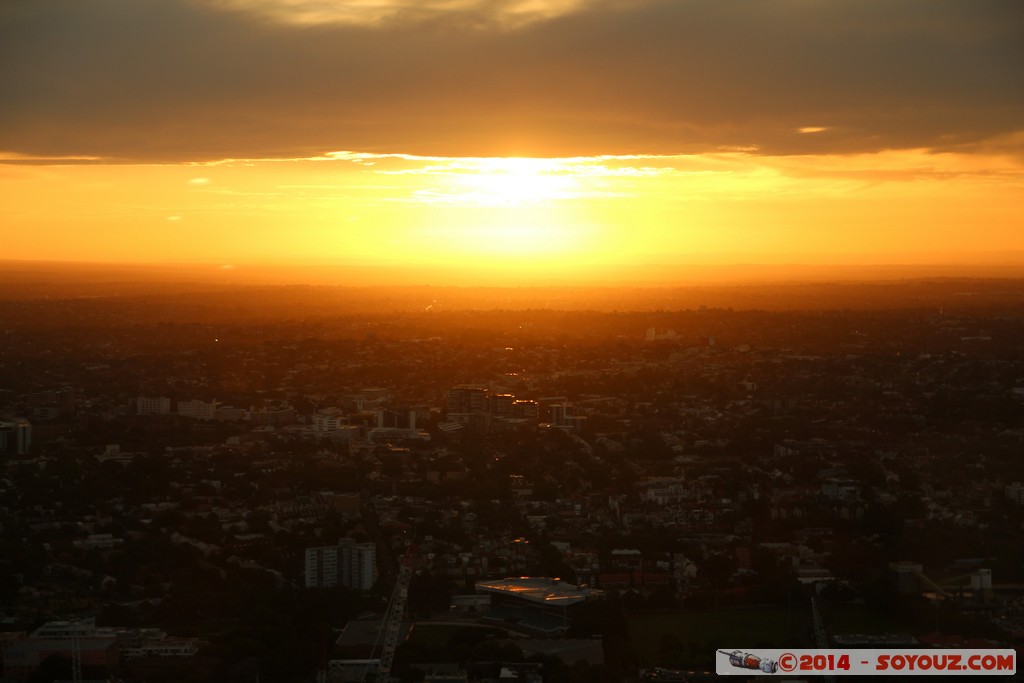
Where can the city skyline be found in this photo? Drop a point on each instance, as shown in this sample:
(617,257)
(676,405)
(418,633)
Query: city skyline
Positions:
(523,139)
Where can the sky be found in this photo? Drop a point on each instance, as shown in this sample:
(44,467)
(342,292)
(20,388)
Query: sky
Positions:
(517,136)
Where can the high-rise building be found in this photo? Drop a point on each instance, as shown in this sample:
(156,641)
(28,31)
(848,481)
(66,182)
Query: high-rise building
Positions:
(51,404)
(152,405)
(349,564)
(199,410)
(396,418)
(501,404)
(15,436)
(1015,492)
(563,415)
(322,567)
(326,424)
(229,414)
(466,398)
(272,415)
(526,409)
(560,413)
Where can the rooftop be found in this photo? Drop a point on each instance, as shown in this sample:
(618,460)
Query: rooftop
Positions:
(539,589)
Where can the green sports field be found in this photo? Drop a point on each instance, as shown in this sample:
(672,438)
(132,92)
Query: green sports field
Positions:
(689,639)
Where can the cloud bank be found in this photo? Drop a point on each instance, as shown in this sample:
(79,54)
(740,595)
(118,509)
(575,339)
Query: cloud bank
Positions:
(171,80)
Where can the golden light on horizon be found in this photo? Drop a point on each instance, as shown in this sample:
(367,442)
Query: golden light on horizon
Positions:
(521,214)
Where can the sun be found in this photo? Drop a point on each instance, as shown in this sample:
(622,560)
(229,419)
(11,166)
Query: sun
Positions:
(500,210)
(514,181)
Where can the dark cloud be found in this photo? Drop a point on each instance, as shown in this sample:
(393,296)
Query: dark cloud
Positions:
(173,80)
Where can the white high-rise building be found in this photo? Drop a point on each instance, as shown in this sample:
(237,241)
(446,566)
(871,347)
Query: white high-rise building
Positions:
(199,410)
(349,564)
(327,423)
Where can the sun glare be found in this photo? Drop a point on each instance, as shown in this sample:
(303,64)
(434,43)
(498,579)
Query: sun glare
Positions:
(507,210)
(514,181)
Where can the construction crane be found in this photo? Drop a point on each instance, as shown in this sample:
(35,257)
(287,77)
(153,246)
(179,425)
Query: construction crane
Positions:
(392,623)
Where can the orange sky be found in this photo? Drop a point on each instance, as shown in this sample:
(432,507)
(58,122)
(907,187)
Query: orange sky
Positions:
(533,136)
